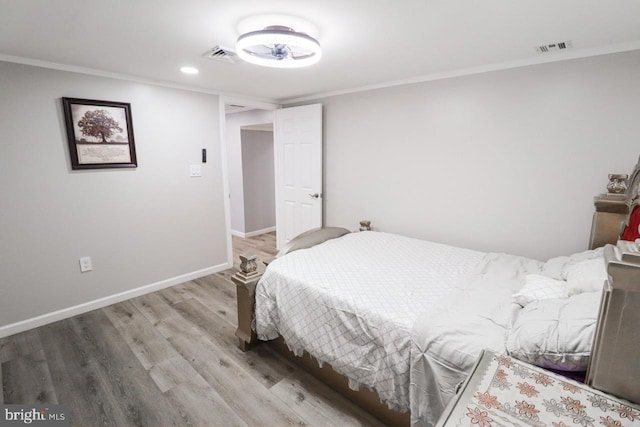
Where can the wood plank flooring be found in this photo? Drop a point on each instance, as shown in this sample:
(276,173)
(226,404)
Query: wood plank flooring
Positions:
(168,359)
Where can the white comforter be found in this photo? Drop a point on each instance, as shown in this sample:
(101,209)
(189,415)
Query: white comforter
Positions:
(352,302)
(409,317)
(477,314)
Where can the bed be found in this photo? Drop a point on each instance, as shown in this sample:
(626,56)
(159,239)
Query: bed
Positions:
(352,302)
(407,318)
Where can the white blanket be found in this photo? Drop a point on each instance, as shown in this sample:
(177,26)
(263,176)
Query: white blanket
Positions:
(352,302)
(478,313)
(409,318)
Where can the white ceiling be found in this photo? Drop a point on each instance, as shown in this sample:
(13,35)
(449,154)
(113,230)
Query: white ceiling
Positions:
(366,43)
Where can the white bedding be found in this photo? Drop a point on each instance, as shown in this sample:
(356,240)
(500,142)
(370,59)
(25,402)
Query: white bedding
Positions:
(481,312)
(352,302)
(477,314)
(409,318)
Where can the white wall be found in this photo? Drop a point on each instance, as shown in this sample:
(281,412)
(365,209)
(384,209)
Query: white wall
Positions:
(501,161)
(233,124)
(258,176)
(153,225)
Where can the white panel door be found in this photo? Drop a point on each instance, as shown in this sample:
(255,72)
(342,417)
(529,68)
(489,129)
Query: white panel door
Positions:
(298,164)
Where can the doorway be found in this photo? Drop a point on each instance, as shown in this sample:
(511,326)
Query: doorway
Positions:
(295,170)
(256,213)
(247,135)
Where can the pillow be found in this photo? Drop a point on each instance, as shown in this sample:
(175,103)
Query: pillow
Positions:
(586,276)
(556,333)
(626,246)
(537,287)
(558,267)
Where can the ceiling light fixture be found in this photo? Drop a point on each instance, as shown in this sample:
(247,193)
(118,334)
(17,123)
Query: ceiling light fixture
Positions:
(278,46)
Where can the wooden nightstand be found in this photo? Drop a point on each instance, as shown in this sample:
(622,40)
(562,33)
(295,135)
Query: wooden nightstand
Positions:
(502,391)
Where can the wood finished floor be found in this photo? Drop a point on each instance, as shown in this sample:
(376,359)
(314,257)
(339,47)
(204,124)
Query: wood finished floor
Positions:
(168,359)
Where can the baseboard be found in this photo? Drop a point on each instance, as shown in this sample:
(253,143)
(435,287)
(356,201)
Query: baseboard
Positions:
(65,313)
(253,233)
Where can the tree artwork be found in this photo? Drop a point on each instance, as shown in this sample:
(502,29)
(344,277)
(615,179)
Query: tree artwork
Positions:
(98,124)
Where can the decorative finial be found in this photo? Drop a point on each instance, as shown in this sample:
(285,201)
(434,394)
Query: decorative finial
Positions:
(365,225)
(248,264)
(617,183)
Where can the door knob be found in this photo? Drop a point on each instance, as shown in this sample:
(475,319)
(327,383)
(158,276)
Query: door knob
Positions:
(314,195)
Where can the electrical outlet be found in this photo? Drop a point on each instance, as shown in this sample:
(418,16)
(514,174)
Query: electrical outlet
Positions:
(85,264)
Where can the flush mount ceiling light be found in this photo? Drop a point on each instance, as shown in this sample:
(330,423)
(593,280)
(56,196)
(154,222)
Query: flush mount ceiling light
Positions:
(278,46)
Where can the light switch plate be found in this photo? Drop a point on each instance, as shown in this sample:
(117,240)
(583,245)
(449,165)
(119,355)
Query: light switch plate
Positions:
(195,170)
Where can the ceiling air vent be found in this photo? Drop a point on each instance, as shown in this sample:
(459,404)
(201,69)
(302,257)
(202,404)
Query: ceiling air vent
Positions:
(554,47)
(235,108)
(222,54)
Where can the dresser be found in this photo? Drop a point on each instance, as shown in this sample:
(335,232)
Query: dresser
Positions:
(503,391)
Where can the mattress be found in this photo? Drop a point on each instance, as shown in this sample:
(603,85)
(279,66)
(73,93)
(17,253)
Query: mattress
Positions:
(352,302)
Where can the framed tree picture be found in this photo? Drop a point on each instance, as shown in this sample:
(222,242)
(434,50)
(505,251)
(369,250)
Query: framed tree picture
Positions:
(100,134)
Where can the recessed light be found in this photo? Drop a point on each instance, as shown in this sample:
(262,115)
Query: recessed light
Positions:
(189,70)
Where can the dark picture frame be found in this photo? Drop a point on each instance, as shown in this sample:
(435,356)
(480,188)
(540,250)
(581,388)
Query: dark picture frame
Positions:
(100,134)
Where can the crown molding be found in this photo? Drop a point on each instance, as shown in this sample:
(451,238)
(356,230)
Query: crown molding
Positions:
(128,77)
(542,59)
